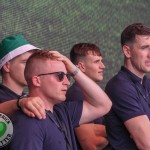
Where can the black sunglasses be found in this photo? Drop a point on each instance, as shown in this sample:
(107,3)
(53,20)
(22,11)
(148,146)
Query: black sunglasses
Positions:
(60,75)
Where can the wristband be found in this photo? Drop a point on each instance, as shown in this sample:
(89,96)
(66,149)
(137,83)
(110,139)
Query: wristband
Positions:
(75,72)
(18,100)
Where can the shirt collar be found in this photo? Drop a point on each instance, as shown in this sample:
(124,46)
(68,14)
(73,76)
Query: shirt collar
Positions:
(131,75)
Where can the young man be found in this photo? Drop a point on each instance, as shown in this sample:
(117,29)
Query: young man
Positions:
(128,121)
(87,57)
(14,52)
(47,77)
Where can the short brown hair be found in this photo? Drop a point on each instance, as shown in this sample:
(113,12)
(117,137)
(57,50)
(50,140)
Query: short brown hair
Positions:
(32,66)
(81,49)
(129,33)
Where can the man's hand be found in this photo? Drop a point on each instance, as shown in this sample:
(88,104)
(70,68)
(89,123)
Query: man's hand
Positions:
(91,136)
(69,65)
(33,107)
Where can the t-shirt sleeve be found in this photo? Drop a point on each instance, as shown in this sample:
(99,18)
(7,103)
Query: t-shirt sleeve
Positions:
(75,111)
(74,93)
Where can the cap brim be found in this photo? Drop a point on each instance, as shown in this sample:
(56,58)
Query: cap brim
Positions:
(16,52)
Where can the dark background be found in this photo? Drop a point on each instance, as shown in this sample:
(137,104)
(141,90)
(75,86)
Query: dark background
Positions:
(59,24)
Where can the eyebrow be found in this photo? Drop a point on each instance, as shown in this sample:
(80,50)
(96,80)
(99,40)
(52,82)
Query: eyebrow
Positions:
(144,46)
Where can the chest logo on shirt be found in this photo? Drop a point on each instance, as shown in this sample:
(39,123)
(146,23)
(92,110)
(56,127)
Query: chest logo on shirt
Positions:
(6,130)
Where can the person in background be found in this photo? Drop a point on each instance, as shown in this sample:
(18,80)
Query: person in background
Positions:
(14,52)
(128,122)
(47,74)
(88,58)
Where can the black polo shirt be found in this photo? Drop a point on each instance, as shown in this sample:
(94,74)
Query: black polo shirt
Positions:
(130,99)
(6,94)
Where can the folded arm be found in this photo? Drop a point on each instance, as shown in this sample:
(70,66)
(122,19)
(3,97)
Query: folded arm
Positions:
(139,129)
(91,136)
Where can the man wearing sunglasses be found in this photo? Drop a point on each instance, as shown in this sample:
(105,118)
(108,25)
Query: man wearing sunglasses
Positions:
(47,74)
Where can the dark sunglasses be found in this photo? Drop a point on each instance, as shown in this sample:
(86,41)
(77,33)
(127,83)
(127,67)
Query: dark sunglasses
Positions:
(60,75)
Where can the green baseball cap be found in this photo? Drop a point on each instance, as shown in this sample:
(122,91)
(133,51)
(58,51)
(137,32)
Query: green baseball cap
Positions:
(13,46)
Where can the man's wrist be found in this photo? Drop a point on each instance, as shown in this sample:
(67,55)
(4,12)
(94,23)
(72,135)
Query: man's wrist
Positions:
(19,100)
(75,72)
(18,103)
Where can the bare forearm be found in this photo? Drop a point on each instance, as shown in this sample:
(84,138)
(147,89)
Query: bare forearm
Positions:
(8,107)
(31,106)
(139,128)
(95,96)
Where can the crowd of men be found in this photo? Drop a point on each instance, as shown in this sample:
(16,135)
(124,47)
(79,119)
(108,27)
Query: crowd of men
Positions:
(54,116)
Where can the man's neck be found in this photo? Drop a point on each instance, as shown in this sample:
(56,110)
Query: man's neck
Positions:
(14,87)
(134,71)
(48,104)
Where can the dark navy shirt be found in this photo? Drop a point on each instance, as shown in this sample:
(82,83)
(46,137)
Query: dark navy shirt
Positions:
(6,94)
(130,99)
(46,134)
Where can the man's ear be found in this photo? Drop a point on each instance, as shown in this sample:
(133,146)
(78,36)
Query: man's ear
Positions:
(6,67)
(127,51)
(36,81)
(81,66)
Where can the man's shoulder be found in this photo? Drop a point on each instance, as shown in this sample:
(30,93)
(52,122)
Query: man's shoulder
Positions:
(65,108)
(74,93)
(119,80)
(21,118)
(6,94)
(69,111)
(74,87)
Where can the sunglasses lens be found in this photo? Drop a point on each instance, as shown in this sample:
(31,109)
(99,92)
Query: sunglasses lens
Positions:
(68,76)
(61,76)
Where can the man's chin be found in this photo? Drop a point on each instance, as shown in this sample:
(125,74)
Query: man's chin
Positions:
(62,99)
(99,79)
(24,83)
